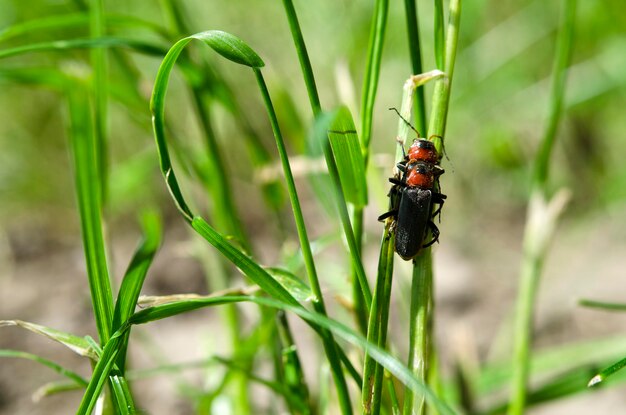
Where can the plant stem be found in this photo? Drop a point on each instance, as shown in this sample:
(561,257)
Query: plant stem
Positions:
(541,217)
(377,325)
(318,302)
(419,328)
(97,26)
(412,26)
(87,177)
(303,56)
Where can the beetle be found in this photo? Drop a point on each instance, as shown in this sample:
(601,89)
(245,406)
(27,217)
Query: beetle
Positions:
(412,197)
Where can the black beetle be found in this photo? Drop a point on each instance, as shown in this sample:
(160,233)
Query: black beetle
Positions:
(412,198)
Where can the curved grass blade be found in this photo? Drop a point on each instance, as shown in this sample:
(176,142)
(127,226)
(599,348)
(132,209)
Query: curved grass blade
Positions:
(73,376)
(77,344)
(104,42)
(52,388)
(393,365)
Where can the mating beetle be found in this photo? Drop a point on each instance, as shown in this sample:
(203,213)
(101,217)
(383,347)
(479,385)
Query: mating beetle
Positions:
(412,197)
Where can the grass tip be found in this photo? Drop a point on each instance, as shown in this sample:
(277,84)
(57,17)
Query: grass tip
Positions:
(595,380)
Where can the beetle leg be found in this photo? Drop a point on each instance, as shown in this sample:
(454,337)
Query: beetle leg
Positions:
(439,199)
(396,181)
(393,212)
(435,231)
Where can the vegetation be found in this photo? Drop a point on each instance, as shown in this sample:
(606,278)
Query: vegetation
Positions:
(277,170)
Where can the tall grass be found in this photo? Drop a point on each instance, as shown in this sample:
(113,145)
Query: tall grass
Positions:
(366,376)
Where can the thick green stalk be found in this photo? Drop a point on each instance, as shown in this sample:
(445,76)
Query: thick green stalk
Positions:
(541,216)
(419,330)
(318,302)
(422,308)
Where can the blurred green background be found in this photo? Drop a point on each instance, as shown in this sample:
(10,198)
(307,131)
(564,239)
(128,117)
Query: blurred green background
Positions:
(496,118)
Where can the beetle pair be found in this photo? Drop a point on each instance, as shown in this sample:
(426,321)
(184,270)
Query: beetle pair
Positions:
(412,197)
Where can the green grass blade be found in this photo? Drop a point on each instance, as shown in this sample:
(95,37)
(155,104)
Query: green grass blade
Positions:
(372,73)
(140,46)
(439,36)
(100,85)
(441,94)
(563,53)
(88,190)
(410,10)
(249,268)
(234,49)
(52,388)
(377,325)
(135,276)
(393,365)
(609,371)
(303,56)
(76,378)
(137,270)
(322,130)
(420,336)
(602,305)
(296,287)
(75,20)
(541,216)
(121,395)
(101,373)
(348,157)
(230,47)
(77,344)
(332,351)
(292,375)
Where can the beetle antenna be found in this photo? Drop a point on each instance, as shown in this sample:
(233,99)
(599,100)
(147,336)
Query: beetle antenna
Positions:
(405,120)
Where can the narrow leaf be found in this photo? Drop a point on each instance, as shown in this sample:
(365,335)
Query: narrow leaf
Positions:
(347,151)
(137,270)
(609,371)
(76,378)
(104,42)
(77,344)
(230,47)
